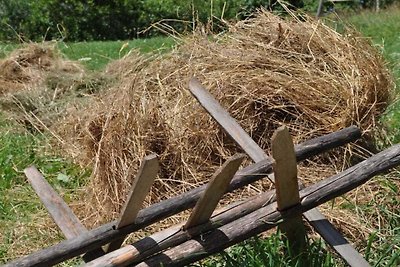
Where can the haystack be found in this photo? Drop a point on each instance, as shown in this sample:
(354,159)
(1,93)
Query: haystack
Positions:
(28,65)
(266,71)
(38,85)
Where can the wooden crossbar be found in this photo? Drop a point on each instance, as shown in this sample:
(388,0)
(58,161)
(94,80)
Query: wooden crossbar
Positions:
(229,124)
(62,215)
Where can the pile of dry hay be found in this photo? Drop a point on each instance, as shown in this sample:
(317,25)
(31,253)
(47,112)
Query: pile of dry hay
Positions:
(266,71)
(29,65)
(37,80)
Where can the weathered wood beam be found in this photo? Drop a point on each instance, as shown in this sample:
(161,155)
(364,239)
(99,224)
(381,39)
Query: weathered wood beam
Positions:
(229,124)
(106,233)
(176,235)
(215,189)
(140,188)
(268,217)
(62,215)
(287,187)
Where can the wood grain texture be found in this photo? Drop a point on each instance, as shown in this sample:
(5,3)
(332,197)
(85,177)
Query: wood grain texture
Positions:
(285,169)
(106,233)
(175,235)
(268,217)
(62,215)
(215,189)
(224,119)
(234,130)
(287,187)
(140,188)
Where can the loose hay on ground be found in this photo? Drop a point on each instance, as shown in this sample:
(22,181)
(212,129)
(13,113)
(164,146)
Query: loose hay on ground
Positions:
(266,71)
(38,85)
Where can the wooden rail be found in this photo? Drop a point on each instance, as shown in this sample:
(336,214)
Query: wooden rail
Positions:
(218,236)
(62,215)
(102,235)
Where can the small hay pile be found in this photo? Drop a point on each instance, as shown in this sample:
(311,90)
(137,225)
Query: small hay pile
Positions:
(29,65)
(37,84)
(265,71)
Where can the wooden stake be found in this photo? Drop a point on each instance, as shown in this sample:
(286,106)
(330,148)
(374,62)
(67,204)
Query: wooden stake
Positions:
(287,188)
(140,188)
(62,215)
(215,189)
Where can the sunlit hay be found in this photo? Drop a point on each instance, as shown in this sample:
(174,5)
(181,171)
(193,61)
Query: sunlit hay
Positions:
(28,65)
(265,71)
(44,86)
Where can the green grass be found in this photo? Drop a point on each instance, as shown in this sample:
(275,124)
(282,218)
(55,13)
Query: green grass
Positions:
(272,251)
(19,205)
(95,55)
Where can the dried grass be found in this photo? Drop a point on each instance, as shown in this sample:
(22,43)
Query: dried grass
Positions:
(38,85)
(29,65)
(265,71)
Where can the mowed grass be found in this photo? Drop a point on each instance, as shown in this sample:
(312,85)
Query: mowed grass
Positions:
(95,55)
(25,225)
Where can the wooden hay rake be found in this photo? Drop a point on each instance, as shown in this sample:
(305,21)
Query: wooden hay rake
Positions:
(207,230)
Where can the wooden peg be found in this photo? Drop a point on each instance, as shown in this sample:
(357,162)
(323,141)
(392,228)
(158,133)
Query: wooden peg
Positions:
(140,188)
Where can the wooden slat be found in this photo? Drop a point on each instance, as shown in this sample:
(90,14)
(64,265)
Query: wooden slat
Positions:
(223,118)
(106,233)
(215,189)
(287,188)
(140,188)
(62,215)
(341,245)
(230,125)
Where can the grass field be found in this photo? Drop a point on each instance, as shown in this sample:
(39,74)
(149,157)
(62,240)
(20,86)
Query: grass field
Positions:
(24,224)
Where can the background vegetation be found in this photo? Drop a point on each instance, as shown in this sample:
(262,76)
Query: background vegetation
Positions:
(77,20)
